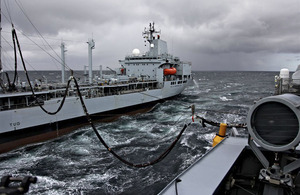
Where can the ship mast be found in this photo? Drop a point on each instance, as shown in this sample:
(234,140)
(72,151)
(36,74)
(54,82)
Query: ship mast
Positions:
(0,41)
(149,34)
(63,62)
(1,67)
(91,45)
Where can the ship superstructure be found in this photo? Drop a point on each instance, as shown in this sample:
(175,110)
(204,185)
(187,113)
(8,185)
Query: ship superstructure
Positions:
(140,82)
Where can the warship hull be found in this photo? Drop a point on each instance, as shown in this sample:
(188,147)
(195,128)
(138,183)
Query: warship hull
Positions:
(29,115)
(31,125)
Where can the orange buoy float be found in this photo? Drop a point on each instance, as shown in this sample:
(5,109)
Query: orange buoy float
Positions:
(170,71)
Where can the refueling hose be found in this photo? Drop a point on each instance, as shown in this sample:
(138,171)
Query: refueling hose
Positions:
(158,159)
(14,34)
(216,124)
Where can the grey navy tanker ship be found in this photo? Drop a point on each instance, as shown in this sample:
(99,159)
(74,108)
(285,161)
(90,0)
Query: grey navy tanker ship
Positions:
(141,81)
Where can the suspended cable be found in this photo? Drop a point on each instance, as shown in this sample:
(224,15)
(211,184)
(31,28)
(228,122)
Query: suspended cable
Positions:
(59,61)
(16,61)
(188,106)
(5,60)
(158,159)
(12,57)
(55,59)
(8,11)
(11,85)
(49,38)
(155,161)
(45,50)
(6,42)
(9,19)
(31,88)
(2,14)
(216,124)
(13,46)
(41,36)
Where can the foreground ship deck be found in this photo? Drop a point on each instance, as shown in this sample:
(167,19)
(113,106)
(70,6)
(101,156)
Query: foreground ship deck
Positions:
(206,174)
(266,162)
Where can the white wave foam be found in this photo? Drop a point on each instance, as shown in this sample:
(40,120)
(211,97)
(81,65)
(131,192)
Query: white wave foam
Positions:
(47,184)
(81,151)
(196,83)
(208,137)
(225,99)
(186,142)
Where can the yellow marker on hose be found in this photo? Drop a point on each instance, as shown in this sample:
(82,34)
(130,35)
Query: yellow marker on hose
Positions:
(221,135)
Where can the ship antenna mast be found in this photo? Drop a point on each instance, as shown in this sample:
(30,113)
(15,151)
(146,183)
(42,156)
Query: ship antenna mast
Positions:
(0,40)
(149,33)
(1,68)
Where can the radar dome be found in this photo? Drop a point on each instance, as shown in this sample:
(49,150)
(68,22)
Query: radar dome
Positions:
(136,52)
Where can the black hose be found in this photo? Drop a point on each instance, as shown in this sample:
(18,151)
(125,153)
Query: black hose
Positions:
(212,123)
(31,88)
(158,159)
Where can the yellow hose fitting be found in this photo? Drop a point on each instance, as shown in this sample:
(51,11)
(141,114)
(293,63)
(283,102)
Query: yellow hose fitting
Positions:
(221,135)
(222,131)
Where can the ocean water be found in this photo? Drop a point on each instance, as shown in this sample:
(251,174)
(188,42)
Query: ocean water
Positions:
(78,164)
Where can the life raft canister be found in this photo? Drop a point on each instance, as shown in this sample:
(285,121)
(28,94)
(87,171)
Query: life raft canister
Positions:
(170,71)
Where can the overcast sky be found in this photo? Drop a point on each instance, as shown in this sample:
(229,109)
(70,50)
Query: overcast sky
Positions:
(213,35)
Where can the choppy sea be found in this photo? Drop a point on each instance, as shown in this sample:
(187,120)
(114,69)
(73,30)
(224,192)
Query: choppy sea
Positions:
(78,164)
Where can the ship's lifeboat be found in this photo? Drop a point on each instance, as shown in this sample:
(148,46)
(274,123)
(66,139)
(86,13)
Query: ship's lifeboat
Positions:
(170,71)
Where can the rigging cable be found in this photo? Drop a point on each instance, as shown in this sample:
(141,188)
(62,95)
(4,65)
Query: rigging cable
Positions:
(6,58)
(27,36)
(158,159)
(23,11)
(59,60)
(11,58)
(43,49)
(10,20)
(216,124)
(12,86)
(48,38)
(155,161)
(8,11)
(31,88)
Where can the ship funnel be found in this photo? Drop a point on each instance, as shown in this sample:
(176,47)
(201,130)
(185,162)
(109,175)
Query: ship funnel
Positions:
(273,122)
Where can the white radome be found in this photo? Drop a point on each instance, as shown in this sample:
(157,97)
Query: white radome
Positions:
(136,52)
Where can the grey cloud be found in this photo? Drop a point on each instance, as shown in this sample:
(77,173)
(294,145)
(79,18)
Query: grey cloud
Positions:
(217,35)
